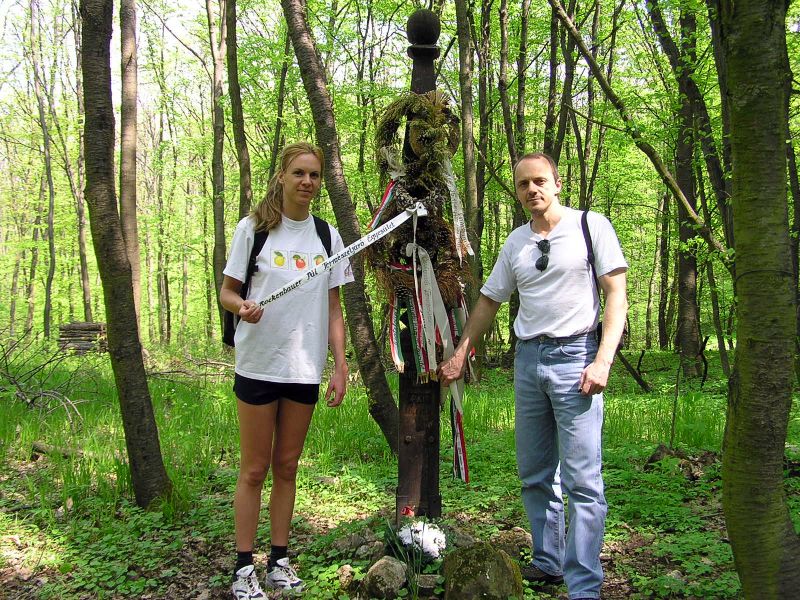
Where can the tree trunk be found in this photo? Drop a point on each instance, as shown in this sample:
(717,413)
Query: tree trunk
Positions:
(683,62)
(522,67)
(713,289)
(12,302)
(466,63)
(472,210)
(552,93)
(567,50)
(688,334)
(74,173)
(635,133)
(217,42)
(766,547)
(663,288)
(79,200)
(149,478)
(128,145)
(502,84)
(276,140)
(519,216)
(30,290)
(208,269)
(652,286)
(36,63)
(188,218)
(381,404)
(583,139)
(237,115)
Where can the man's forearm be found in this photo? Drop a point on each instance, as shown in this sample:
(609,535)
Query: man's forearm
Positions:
(478,323)
(613,324)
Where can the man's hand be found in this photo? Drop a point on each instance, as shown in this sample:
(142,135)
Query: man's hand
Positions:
(337,386)
(594,377)
(250,311)
(452,369)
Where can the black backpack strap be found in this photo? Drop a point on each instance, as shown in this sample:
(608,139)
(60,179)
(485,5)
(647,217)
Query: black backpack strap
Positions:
(258,244)
(587,237)
(324,233)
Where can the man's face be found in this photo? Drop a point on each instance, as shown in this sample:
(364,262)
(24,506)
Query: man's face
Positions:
(537,188)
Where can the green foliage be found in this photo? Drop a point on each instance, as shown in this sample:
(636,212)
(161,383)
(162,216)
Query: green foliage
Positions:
(664,537)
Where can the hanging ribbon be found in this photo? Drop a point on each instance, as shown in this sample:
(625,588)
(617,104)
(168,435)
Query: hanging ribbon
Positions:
(459,224)
(387,195)
(394,336)
(439,322)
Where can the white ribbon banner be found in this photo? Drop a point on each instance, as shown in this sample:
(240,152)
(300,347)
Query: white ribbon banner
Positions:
(354,248)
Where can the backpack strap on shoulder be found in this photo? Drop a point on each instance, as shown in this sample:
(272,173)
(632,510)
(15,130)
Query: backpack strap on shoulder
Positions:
(258,244)
(324,233)
(587,237)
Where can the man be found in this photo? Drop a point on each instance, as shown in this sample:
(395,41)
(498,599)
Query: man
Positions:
(560,370)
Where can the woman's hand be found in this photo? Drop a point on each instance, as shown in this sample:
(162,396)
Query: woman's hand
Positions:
(337,386)
(250,311)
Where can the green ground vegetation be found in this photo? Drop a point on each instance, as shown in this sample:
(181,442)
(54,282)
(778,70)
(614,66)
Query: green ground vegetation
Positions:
(69,527)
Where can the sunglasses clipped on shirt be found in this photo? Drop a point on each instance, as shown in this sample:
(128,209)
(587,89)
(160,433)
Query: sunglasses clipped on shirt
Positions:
(544,247)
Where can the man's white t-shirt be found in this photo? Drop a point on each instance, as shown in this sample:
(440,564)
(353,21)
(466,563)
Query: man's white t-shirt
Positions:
(289,344)
(562,300)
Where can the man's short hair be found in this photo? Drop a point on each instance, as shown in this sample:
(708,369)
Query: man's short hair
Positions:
(539,155)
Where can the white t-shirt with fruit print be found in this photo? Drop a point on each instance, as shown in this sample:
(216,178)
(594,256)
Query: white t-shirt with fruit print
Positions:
(289,344)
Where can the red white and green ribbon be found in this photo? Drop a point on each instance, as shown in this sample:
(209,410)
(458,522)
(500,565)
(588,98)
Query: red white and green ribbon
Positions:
(436,320)
(387,195)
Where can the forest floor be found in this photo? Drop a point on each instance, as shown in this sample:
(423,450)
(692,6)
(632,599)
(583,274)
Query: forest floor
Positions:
(68,530)
(666,535)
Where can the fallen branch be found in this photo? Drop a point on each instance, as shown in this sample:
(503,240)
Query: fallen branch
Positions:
(43,448)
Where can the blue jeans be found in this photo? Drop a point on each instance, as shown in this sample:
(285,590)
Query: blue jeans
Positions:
(558,438)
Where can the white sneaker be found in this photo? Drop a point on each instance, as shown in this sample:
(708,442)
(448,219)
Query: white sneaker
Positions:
(283,577)
(245,585)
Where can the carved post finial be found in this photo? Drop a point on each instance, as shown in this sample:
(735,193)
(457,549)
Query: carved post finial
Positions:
(423,29)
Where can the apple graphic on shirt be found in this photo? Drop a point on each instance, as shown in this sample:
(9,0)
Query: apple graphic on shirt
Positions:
(299,262)
(319,259)
(279,259)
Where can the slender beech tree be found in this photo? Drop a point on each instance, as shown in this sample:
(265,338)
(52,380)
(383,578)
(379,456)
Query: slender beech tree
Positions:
(381,404)
(664,287)
(688,334)
(73,170)
(148,475)
(466,50)
(38,87)
(80,208)
(502,85)
(276,139)
(237,115)
(128,144)
(519,145)
(713,289)
(217,39)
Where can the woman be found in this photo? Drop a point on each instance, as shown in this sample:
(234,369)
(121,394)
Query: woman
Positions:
(280,354)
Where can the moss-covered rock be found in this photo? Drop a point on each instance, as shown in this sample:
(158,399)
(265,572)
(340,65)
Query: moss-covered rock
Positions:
(481,571)
(384,579)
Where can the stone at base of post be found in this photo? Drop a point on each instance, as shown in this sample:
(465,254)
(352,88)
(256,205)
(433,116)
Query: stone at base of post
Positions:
(418,447)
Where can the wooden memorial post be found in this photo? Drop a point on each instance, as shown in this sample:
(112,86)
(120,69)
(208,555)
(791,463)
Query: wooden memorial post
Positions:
(418,447)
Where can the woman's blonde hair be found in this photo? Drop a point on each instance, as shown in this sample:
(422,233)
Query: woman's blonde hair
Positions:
(267,213)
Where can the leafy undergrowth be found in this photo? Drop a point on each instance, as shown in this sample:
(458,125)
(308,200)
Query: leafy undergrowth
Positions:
(68,527)
(665,533)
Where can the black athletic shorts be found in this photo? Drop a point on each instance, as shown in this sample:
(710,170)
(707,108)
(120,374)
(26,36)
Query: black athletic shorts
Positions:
(256,391)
